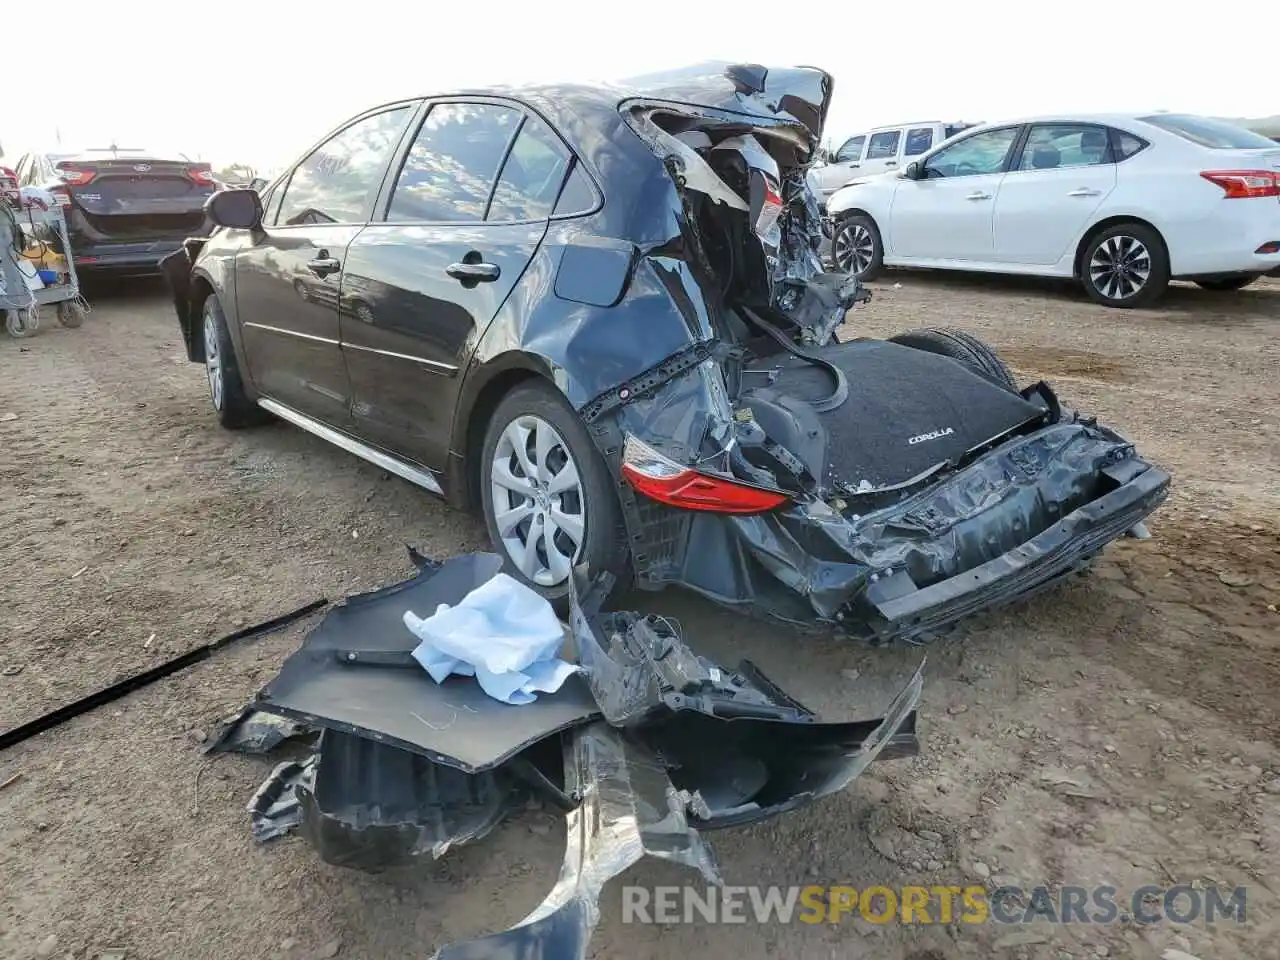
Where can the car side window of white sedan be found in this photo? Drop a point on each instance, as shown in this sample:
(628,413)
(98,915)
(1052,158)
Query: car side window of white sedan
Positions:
(973,156)
(1053,145)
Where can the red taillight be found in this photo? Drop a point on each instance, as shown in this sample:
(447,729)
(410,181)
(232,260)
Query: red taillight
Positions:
(666,481)
(75,178)
(201,176)
(1239,184)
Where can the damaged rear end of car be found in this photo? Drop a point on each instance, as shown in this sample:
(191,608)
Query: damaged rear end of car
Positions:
(887,486)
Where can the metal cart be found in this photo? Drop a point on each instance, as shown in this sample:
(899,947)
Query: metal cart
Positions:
(20,305)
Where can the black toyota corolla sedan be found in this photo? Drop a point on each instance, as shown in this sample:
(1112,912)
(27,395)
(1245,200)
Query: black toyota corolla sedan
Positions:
(598,316)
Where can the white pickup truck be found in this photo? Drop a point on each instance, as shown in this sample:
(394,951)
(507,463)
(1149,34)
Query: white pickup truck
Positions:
(881,150)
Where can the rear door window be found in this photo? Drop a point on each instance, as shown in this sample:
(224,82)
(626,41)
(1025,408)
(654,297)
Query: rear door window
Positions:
(337,181)
(1207,132)
(450,170)
(1053,145)
(531,175)
(919,140)
(884,145)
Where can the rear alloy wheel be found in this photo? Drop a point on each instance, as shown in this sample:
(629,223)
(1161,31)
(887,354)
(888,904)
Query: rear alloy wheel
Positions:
(1125,266)
(548,501)
(1227,284)
(856,247)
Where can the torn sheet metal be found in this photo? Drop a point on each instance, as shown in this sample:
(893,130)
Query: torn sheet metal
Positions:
(355,673)
(629,810)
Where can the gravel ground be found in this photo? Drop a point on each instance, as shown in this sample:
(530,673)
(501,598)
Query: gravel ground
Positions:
(1122,729)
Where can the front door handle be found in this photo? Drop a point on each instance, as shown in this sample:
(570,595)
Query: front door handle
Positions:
(978,195)
(324,265)
(1083,192)
(891,163)
(472,273)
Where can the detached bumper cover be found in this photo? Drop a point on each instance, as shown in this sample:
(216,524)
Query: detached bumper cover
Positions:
(652,744)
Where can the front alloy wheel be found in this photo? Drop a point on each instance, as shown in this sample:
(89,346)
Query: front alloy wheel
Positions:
(539,505)
(213,360)
(854,248)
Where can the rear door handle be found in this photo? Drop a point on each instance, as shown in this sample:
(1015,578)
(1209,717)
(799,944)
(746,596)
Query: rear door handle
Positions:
(978,195)
(323,266)
(1084,192)
(472,273)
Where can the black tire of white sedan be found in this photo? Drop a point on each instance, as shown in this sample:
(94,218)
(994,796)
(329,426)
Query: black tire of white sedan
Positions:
(961,346)
(549,502)
(226,390)
(1228,284)
(856,247)
(1125,266)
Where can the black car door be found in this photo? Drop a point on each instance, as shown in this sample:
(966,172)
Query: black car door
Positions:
(464,216)
(287,283)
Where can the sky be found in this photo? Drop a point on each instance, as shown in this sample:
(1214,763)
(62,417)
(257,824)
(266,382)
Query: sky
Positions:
(256,83)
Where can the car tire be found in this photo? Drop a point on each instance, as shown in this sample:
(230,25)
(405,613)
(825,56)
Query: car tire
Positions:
(961,346)
(585,514)
(856,247)
(226,388)
(1125,266)
(1228,284)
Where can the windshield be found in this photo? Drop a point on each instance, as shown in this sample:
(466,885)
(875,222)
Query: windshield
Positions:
(1214,134)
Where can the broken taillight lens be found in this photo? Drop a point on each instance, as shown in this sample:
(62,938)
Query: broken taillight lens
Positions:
(676,485)
(770,209)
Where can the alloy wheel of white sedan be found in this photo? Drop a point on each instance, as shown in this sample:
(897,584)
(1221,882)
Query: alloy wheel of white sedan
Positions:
(854,248)
(539,506)
(1120,267)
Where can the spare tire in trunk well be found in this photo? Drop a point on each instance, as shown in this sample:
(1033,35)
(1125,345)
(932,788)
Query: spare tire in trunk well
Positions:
(961,346)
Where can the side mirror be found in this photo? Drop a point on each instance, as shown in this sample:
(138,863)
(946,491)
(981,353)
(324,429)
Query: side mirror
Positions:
(237,209)
(914,171)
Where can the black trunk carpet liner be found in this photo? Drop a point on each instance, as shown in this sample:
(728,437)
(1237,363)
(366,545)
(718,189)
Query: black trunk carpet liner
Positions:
(907,410)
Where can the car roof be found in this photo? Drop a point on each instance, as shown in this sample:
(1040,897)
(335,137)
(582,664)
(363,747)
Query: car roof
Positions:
(1100,118)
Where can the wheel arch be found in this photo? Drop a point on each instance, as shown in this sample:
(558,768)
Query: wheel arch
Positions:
(483,389)
(201,289)
(1106,223)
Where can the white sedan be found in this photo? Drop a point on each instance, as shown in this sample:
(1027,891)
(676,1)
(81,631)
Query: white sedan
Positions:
(1123,203)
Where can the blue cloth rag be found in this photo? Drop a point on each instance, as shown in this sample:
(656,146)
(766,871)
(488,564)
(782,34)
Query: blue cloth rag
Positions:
(503,633)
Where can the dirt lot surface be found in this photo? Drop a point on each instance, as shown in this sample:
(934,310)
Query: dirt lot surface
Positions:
(1122,730)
